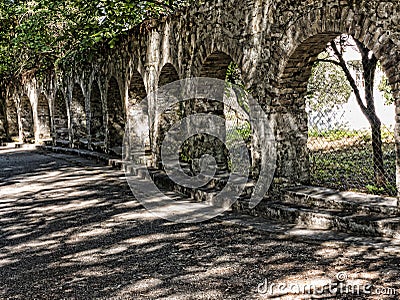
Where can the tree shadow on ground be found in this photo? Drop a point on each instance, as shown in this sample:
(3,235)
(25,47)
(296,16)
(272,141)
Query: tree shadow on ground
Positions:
(71,229)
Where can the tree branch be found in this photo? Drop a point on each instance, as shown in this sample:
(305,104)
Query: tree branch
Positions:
(350,78)
(329,61)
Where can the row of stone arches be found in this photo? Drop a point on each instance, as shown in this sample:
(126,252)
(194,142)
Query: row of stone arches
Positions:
(29,120)
(90,123)
(96,122)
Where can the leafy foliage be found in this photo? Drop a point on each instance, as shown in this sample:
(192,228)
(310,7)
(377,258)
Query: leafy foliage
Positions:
(385,88)
(38,34)
(327,86)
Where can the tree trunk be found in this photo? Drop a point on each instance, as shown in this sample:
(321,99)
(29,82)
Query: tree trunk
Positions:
(369,64)
(379,169)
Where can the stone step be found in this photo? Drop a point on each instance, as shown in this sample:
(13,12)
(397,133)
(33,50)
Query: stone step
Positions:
(179,207)
(75,151)
(206,193)
(332,219)
(356,203)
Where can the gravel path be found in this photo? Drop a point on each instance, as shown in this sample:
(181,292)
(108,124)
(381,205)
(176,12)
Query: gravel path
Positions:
(71,229)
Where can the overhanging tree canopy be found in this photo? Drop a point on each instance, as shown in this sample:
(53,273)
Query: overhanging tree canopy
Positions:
(35,35)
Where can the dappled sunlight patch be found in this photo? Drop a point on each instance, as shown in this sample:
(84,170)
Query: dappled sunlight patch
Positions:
(198,295)
(143,215)
(368,275)
(41,243)
(392,250)
(153,249)
(15,227)
(17,150)
(7,261)
(49,242)
(18,190)
(308,276)
(150,288)
(328,253)
(146,285)
(86,256)
(129,204)
(227,258)
(81,276)
(185,229)
(88,234)
(353,251)
(280,256)
(115,249)
(155,238)
(223,271)
(41,177)
(17,236)
(72,206)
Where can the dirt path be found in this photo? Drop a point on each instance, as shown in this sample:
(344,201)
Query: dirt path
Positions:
(71,229)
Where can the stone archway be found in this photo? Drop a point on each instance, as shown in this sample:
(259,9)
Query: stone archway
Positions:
(137,136)
(78,118)
(303,43)
(61,130)
(44,118)
(137,90)
(12,118)
(215,65)
(97,128)
(3,121)
(166,118)
(26,118)
(115,117)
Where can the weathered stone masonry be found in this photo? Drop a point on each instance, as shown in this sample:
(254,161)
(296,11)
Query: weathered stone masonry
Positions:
(274,43)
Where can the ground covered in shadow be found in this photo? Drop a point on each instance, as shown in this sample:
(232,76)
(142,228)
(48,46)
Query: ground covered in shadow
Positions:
(71,229)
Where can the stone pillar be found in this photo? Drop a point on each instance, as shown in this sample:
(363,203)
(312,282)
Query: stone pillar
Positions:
(397,141)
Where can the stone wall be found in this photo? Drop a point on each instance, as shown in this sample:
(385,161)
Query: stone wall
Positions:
(274,43)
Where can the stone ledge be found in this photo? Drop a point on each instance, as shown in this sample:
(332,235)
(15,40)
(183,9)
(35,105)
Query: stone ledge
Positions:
(322,219)
(286,231)
(84,153)
(320,197)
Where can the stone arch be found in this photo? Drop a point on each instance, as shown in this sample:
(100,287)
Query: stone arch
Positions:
(166,118)
(308,36)
(26,120)
(169,47)
(78,118)
(97,128)
(137,90)
(3,121)
(136,93)
(220,50)
(61,130)
(302,42)
(44,117)
(12,118)
(115,117)
(168,74)
(214,65)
